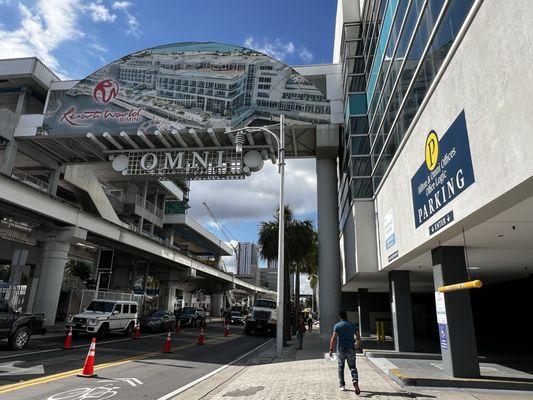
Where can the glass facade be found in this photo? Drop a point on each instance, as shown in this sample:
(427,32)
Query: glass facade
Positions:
(389,59)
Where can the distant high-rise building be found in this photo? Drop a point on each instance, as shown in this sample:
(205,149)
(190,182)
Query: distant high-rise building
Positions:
(247,258)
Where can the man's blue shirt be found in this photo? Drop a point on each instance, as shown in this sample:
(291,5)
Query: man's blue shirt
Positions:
(345,334)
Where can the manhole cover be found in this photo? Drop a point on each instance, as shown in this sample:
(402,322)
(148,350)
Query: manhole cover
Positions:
(244,392)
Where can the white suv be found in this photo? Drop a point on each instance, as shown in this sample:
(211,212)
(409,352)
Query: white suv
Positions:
(104,316)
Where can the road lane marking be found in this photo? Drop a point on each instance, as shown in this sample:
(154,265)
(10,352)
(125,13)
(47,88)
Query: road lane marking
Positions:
(130,381)
(50,378)
(209,375)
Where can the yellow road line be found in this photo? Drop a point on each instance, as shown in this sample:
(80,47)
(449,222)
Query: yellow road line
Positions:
(50,378)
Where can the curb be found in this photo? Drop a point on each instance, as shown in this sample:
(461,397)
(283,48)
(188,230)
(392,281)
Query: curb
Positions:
(466,383)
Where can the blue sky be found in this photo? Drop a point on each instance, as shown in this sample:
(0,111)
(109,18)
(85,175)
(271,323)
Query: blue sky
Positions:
(76,37)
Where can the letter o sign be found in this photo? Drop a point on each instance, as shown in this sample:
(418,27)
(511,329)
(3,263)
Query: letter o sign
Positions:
(149,161)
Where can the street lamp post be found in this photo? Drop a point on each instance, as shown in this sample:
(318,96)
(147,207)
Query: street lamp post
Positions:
(281,232)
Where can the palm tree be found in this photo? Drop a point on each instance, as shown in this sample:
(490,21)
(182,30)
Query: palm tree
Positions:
(299,243)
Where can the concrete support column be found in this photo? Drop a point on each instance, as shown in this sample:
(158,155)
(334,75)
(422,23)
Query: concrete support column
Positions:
(187,299)
(329,264)
(454,314)
(217,302)
(10,152)
(52,269)
(402,311)
(167,295)
(364,312)
(53,182)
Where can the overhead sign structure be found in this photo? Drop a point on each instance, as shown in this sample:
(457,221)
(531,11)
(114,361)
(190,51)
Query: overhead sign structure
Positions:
(185,163)
(446,172)
(182,86)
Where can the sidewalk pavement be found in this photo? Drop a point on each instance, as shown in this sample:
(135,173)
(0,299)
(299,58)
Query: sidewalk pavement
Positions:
(304,374)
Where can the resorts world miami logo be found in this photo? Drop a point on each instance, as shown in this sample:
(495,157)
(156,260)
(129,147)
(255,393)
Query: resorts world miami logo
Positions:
(105,91)
(446,172)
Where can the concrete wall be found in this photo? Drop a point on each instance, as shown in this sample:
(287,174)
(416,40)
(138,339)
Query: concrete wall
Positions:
(490,78)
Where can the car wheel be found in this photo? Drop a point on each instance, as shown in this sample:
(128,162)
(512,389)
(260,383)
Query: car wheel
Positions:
(21,338)
(172,326)
(102,331)
(129,330)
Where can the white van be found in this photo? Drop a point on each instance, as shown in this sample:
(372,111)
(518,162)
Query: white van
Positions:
(104,316)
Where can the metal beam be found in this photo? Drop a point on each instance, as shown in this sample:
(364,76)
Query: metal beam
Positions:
(196,138)
(29,149)
(179,138)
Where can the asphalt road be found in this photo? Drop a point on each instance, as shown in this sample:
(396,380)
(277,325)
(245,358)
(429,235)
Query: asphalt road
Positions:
(127,369)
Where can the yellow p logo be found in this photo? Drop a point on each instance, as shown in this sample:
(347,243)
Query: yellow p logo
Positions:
(432,150)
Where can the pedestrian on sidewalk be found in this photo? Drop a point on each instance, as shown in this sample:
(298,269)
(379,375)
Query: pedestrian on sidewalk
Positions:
(300,331)
(310,322)
(344,333)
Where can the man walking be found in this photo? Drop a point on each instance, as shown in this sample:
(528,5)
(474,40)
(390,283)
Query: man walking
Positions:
(344,333)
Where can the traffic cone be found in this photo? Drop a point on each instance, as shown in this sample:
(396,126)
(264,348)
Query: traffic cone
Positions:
(136,332)
(201,338)
(67,345)
(88,367)
(178,327)
(166,347)
(226,330)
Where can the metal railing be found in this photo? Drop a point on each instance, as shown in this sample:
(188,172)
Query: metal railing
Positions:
(116,193)
(148,206)
(29,180)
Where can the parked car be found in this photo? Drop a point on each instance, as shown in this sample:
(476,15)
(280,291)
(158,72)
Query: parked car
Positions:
(191,316)
(158,320)
(263,317)
(16,328)
(235,318)
(102,317)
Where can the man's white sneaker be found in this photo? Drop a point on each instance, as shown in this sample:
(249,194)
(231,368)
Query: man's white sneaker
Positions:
(342,389)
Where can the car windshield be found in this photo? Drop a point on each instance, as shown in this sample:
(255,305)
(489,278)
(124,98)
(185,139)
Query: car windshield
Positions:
(157,313)
(101,306)
(235,314)
(188,310)
(265,304)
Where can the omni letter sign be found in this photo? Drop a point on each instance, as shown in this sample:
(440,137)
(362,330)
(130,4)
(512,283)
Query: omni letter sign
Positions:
(187,164)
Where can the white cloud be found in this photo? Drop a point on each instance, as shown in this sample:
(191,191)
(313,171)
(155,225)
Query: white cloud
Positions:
(278,49)
(43,28)
(100,13)
(256,197)
(305,55)
(133,24)
(121,5)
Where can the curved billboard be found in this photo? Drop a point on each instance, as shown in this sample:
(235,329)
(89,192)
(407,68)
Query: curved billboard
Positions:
(182,86)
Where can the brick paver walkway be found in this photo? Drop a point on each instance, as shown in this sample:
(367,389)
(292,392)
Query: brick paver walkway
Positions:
(305,375)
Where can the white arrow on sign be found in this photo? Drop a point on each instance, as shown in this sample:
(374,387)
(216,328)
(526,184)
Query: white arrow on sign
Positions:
(9,368)
(131,381)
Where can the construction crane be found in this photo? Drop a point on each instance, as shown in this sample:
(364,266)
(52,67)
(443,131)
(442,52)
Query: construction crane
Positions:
(227,234)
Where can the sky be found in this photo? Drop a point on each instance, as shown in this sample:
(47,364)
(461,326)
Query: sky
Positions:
(76,37)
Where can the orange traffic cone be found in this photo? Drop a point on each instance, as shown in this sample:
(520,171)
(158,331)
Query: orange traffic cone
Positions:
(166,347)
(67,345)
(201,338)
(226,330)
(88,367)
(136,332)
(178,327)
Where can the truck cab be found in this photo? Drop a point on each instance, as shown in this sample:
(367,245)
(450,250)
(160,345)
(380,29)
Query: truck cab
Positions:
(16,328)
(262,318)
